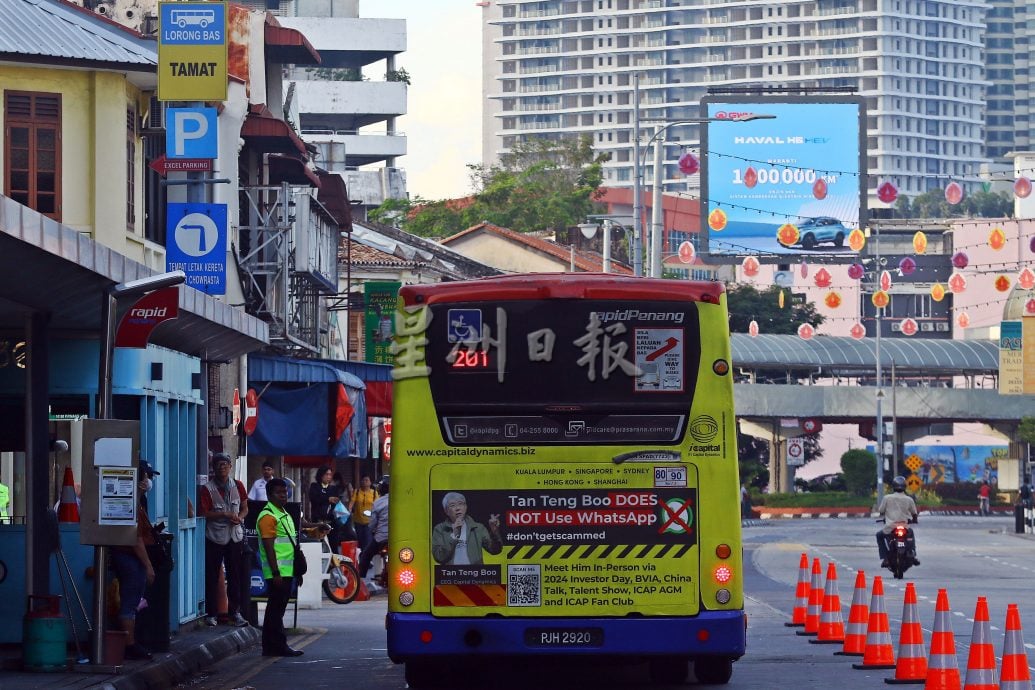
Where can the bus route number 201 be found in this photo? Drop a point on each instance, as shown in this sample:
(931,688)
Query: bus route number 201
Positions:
(670,476)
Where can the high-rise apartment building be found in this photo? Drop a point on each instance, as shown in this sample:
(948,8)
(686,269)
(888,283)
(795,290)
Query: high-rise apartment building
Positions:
(1008,48)
(560,68)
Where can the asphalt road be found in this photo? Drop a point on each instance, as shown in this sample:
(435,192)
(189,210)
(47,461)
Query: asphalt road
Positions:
(969,556)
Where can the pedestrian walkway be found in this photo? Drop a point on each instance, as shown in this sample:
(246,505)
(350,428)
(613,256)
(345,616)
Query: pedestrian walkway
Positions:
(189,652)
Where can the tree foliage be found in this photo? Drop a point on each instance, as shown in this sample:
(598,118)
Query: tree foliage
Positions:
(540,185)
(859,468)
(932,204)
(746,303)
(1026,430)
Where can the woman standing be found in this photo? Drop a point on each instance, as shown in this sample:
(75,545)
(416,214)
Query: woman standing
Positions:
(362,502)
(323,495)
(133,568)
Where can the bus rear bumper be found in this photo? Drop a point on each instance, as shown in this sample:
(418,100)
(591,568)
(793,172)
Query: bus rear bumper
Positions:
(710,633)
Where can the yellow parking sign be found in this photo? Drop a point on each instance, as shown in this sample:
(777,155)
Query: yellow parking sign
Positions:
(192,53)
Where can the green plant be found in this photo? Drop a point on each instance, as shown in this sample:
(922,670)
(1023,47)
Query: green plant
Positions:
(398,75)
(859,468)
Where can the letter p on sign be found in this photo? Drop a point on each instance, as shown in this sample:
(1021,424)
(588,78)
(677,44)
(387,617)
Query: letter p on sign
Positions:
(191,133)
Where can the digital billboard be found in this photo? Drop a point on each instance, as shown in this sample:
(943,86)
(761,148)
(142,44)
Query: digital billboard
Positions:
(804,166)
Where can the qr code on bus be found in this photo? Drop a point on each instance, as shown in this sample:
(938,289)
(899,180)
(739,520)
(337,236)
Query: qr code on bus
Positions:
(523,585)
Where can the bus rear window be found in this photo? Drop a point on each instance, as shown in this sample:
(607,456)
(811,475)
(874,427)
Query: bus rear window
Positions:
(563,370)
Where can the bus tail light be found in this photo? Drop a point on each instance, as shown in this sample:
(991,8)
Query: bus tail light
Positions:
(703,635)
(406,598)
(425,636)
(723,551)
(406,577)
(406,555)
(721,367)
(723,596)
(723,574)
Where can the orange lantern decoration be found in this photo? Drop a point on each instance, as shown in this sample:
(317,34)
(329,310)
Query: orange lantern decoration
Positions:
(997,239)
(957,283)
(822,278)
(1026,279)
(963,320)
(885,280)
(937,292)
(806,331)
(880,299)
(819,188)
(919,242)
(753,329)
(857,331)
(954,193)
(717,220)
(750,266)
(856,240)
(1002,283)
(787,234)
(909,327)
(779,300)
(833,300)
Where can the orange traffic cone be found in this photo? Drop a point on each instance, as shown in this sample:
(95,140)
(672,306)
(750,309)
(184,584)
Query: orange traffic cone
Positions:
(943,673)
(981,660)
(912,656)
(855,634)
(879,652)
(801,594)
(831,625)
(815,609)
(1014,673)
(68,511)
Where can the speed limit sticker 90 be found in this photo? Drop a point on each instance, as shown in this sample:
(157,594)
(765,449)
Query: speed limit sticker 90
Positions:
(669,477)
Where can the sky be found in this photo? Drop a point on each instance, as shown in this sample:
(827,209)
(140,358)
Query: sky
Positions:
(443,58)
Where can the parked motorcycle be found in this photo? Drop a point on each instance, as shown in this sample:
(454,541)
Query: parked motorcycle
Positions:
(342,583)
(901,549)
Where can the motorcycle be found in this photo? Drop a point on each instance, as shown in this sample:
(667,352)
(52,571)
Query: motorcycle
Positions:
(342,583)
(901,549)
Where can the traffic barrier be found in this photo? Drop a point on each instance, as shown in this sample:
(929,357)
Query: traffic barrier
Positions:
(831,625)
(981,660)
(912,655)
(943,671)
(68,511)
(858,615)
(815,609)
(1014,673)
(879,652)
(801,594)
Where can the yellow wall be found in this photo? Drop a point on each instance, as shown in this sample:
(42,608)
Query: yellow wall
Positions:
(507,256)
(93,150)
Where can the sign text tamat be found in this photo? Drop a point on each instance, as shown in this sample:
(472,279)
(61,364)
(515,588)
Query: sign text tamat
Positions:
(192,51)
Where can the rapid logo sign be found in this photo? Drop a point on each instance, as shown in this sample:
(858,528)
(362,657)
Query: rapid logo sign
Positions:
(145,314)
(192,51)
(197,245)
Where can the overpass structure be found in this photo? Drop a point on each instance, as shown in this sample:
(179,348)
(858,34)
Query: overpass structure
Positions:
(927,384)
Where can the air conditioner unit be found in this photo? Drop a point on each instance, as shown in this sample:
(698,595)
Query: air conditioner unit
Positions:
(942,327)
(896,326)
(926,326)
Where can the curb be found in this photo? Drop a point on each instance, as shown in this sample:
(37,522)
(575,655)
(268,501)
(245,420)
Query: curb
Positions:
(844,513)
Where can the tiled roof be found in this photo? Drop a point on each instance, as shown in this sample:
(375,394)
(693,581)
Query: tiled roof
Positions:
(63,31)
(584,261)
(362,254)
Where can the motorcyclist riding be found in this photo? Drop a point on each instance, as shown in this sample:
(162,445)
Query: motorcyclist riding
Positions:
(897,509)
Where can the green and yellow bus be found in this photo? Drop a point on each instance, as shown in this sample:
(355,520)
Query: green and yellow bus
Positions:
(564,476)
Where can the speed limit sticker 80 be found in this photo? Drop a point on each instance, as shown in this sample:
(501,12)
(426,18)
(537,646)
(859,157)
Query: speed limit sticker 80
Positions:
(669,477)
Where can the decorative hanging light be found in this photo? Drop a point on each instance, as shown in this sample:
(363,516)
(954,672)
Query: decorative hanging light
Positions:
(1026,278)
(1031,244)
(833,299)
(806,331)
(779,300)
(960,260)
(856,271)
(887,193)
(750,178)
(963,320)
(688,163)
(954,193)
(717,220)
(1002,283)
(753,329)
(819,188)
(1029,307)
(804,269)
(920,242)
(787,234)
(885,280)
(937,292)
(857,240)
(750,266)
(997,239)
(957,283)
(909,327)
(823,278)
(1022,187)
(857,331)
(880,299)
(907,265)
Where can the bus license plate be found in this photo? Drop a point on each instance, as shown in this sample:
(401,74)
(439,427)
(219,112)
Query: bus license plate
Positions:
(564,637)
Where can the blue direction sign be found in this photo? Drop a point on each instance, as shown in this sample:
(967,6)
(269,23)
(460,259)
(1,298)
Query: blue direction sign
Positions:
(196,245)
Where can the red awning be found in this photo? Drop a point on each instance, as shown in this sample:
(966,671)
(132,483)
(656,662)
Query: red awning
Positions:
(288,46)
(379,398)
(289,169)
(269,134)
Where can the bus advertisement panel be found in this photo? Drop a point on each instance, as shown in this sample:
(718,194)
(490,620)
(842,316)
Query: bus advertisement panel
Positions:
(564,475)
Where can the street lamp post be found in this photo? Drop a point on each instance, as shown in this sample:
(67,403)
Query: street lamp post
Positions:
(589,230)
(657,215)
